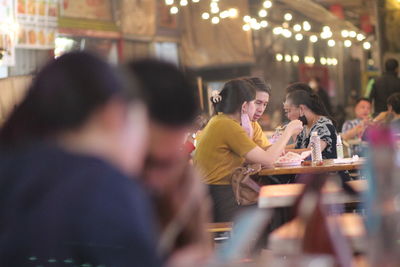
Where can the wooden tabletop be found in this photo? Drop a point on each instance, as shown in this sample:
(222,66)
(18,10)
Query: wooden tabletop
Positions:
(284,195)
(327,166)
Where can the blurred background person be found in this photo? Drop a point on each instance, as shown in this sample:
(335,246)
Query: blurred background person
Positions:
(69,159)
(179,196)
(354,128)
(315,84)
(385,85)
(393,104)
(227,142)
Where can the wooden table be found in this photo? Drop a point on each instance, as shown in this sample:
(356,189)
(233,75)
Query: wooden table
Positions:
(328,166)
(287,238)
(284,195)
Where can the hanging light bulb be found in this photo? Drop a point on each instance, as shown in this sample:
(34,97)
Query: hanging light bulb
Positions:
(306,26)
(264,23)
(322,60)
(173,10)
(233,12)
(288,58)
(205,15)
(183,3)
(246,27)
(215,20)
(360,37)
(262,13)
(224,14)
(347,43)
(298,37)
(334,61)
(297,27)
(287,33)
(367,45)
(288,17)
(279,57)
(295,58)
(247,18)
(352,34)
(195,1)
(345,33)
(313,38)
(169,2)
(267,4)
(331,43)
(277,30)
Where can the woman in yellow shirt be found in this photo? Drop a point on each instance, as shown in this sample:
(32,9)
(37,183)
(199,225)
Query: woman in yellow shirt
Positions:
(226,143)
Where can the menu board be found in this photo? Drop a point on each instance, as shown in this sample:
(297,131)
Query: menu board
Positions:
(38,23)
(8,33)
(87,9)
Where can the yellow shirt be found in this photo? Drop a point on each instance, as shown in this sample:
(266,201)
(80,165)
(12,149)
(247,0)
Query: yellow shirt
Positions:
(258,136)
(221,149)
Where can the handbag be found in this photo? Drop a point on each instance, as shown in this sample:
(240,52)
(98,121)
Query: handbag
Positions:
(245,189)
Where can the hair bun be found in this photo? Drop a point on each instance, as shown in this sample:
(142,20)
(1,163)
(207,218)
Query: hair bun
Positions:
(216,97)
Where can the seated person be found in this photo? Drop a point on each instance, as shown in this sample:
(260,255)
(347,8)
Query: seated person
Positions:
(393,103)
(306,106)
(354,128)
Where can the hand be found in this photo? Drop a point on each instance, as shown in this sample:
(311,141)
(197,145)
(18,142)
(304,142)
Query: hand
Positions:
(294,127)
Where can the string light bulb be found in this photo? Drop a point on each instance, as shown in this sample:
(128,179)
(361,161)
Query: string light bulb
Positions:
(306,26)
(347,43)
(297,27)
(173,10)
(215,20)
(279,57)
(331,43)
(267,4)
(298,37)
(263,13)
(313,38)
(288,17)
(205,15)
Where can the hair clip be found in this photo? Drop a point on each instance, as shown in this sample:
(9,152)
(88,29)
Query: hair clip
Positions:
(215,96)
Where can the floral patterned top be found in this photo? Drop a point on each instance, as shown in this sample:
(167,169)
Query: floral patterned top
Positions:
(326,131)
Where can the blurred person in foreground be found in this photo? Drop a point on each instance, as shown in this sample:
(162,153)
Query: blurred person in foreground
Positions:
(179,196)
(69,156)
(354,128)
(385,85)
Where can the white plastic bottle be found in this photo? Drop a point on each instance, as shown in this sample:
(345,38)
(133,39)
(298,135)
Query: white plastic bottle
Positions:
(315,144)
(339,147)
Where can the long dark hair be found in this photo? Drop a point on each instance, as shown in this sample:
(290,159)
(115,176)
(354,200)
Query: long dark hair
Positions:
(62,97)
(302,94)
(233,95)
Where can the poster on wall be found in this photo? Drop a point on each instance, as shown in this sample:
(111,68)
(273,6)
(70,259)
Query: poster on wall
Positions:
(37,23)
(8,33)
(86,9)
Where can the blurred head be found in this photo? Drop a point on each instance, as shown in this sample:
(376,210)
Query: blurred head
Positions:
(263,92)
(393,103)
(314,83)
(172,104)
(391,65)
(363,108)
(300,102)
(237,96)
(81,97)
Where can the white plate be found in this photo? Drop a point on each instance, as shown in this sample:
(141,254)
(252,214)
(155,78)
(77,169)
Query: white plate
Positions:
(355,158)
(288,164)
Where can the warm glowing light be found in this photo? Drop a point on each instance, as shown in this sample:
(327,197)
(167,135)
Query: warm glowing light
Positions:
(262,13)
(297,27)
(288,58)
(173,10)
(246,27)
(267,4)
(298,37)
(183,3)
(360,37)
(313,38)
(224,14)
(279,57)
(323,61)
(288,17)
(277,30)
(264,23)
(347,43)
(215,20)
(306,26)
(286,33)
(345,33)
(247,18)
(326,29)
(353,34)
(331,43)
(169,2)
(367,45)
(295,58)
(233,12)
(205,15)
(195,1)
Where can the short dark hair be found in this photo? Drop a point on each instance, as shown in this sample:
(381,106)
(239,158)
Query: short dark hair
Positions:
(362,99)
(394,101)
(170,94)
(391,64)
(259,84)
(62,97)
(233,95)
(298,86)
